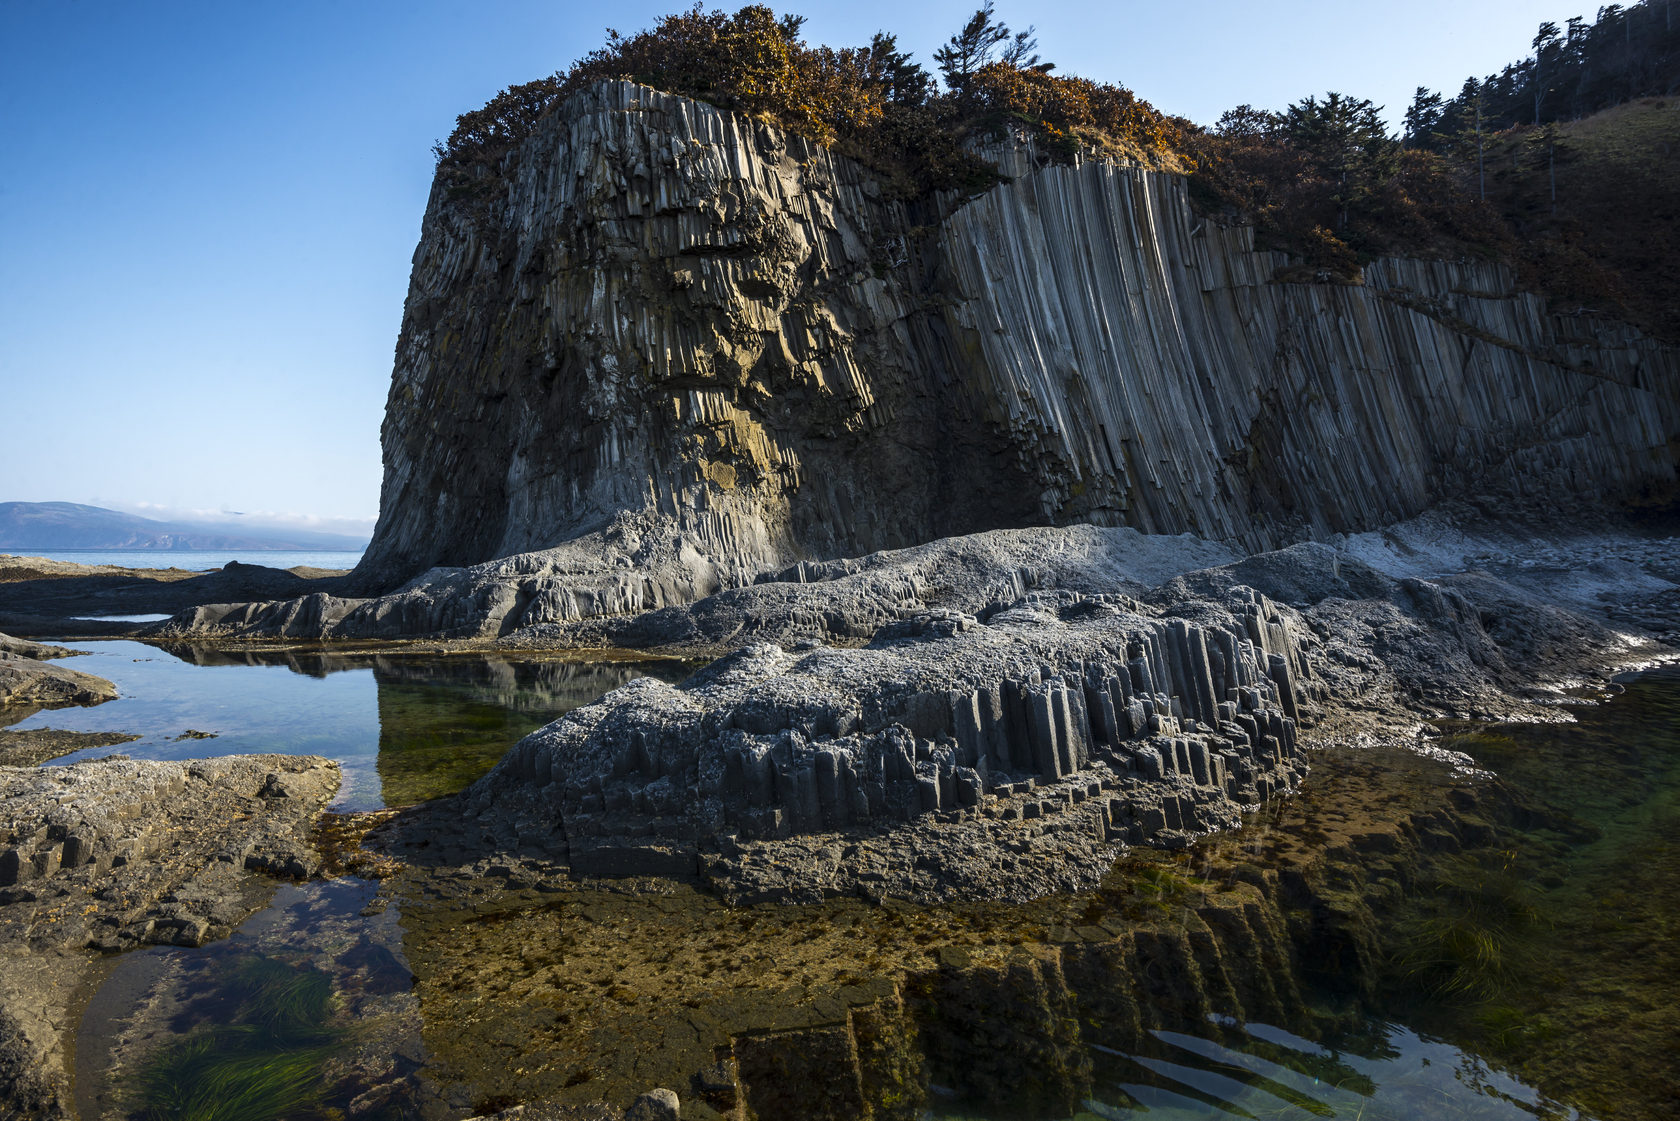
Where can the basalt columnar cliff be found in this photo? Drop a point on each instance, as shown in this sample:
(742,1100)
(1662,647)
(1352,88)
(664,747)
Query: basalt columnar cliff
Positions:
(669,349)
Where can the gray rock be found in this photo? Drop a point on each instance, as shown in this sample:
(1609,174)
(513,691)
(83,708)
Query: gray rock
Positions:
(1082,713)
(655,1105)
(736,380)
(27,680)
(114,854)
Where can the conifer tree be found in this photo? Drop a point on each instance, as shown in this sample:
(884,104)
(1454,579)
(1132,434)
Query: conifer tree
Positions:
(1346,140)
(1423,118)
(972,47)
(907,82)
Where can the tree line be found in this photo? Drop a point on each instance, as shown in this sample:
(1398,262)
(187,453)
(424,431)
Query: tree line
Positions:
(1576,70)
(1323,179)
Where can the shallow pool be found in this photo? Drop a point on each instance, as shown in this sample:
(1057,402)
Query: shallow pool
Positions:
(1530,971)
(404,727)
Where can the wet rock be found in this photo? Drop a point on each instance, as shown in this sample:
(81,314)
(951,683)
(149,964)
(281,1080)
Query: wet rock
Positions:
(116,853)
(33,746)
(25,679)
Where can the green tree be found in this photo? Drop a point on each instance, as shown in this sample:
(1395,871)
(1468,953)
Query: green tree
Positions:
(1423,118)
(1346,142)
(1020,53)
(906,81)
(1245,122)
(972,48)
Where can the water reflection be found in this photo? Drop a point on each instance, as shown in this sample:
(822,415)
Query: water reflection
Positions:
(1254,1071)
(404,727)
(1088,1007)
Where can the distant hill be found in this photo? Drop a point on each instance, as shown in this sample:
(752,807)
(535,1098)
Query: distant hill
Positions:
(69,525)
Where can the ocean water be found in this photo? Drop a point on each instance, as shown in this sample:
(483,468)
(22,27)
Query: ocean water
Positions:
(196,560)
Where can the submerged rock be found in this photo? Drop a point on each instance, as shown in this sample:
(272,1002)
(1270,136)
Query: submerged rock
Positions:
(116,853)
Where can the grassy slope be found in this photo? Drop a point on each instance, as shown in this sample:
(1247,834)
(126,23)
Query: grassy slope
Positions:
(1612,243)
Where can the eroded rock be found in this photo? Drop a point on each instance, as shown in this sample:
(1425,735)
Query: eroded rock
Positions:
(949,757)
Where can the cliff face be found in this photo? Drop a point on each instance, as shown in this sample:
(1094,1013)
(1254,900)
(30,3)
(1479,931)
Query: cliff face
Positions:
(669,315)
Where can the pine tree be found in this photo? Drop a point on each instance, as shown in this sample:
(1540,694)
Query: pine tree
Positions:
(1346,140)
(972,47)
(906,81)
(1423,118)
(1020,52)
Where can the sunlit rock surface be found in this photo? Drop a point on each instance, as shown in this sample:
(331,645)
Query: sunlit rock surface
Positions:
(1110,725)
(673,349)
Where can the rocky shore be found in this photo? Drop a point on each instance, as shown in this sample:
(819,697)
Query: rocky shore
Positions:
(999,717)
(1031,532)
(39,596)
(111,854)
(29,682)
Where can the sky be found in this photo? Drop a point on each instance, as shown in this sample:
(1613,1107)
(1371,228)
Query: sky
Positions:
(208,210)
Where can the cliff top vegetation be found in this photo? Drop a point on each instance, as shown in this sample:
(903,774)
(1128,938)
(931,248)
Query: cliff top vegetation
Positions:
(1323,179)
(874,102)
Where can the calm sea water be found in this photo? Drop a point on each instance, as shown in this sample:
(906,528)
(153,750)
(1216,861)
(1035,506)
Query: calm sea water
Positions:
(404,728)
(197,560)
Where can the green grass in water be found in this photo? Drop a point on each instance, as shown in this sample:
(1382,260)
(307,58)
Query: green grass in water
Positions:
(264,1064)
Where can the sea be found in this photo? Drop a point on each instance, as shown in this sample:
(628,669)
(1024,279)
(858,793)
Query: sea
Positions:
(196,560)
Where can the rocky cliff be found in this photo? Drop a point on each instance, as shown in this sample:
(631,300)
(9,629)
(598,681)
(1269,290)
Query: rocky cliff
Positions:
(665,308)
(670,350)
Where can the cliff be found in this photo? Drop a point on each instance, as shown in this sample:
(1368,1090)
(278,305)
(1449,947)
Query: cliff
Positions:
(670,349)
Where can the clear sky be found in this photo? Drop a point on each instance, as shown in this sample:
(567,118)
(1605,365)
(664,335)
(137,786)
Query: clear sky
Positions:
(207,210)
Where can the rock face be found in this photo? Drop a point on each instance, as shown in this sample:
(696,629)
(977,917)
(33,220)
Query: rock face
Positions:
(671,349)
(668,309)
(1120,725)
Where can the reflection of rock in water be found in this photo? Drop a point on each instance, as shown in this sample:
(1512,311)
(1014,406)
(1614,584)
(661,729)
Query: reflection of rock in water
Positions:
(848,1010)
(445,719)
(444,722)
(522,686)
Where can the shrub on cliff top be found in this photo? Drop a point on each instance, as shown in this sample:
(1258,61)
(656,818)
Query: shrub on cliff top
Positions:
(1075,113)
(872,102)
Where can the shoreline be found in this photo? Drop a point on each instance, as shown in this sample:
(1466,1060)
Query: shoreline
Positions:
(1527,653)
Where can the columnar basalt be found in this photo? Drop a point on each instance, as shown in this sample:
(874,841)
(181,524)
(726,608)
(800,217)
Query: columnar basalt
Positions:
(1125,726)
(669,349)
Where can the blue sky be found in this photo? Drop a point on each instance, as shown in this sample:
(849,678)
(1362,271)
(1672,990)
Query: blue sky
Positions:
(207,210)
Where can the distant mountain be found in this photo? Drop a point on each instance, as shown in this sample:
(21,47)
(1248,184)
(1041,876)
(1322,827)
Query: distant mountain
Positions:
(68,525)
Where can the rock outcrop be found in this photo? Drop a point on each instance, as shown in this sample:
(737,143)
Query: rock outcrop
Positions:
(60,599)
(670,349)
(1111,724)
(27,680)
